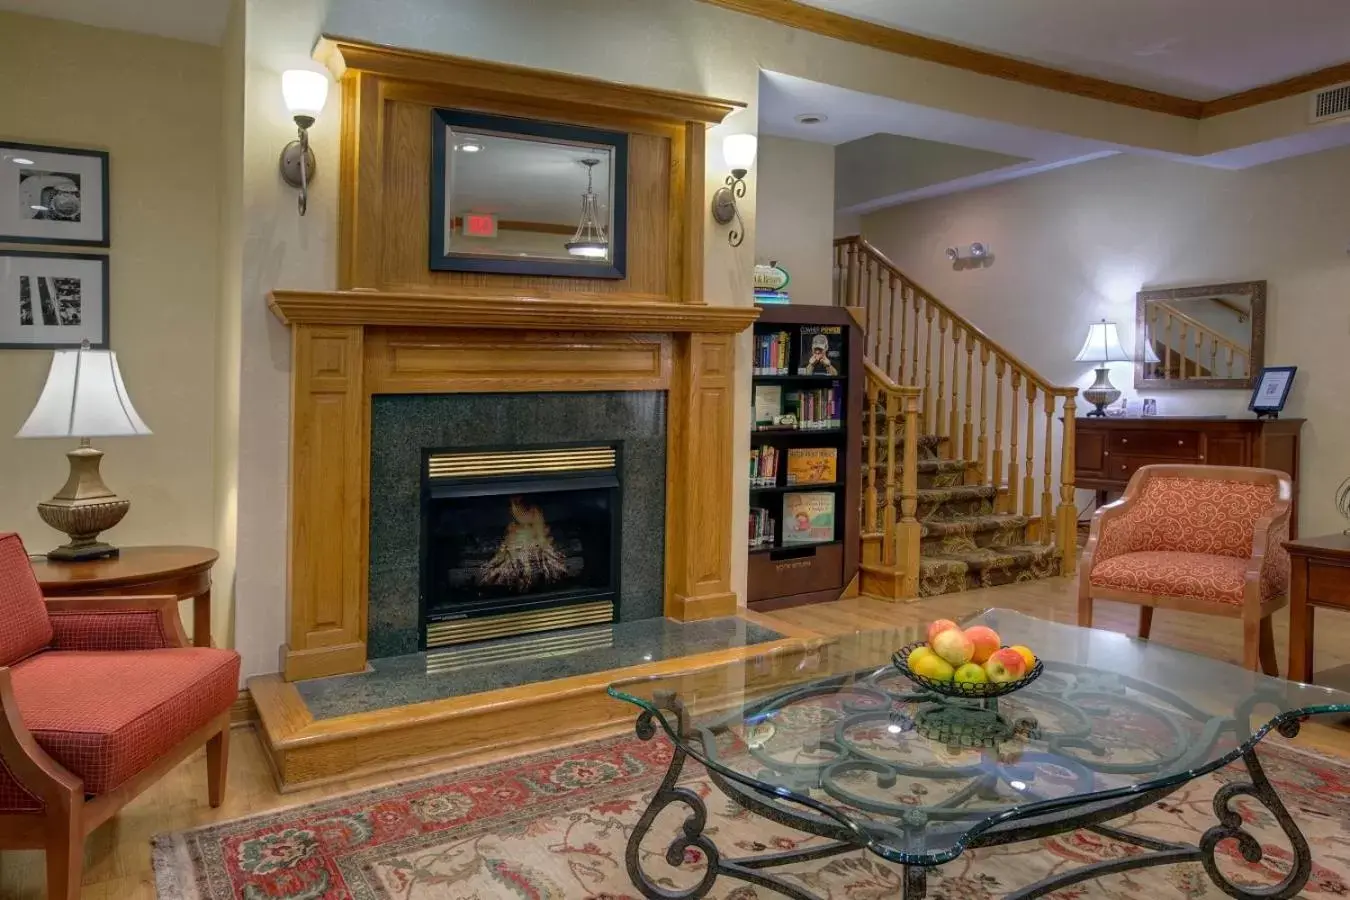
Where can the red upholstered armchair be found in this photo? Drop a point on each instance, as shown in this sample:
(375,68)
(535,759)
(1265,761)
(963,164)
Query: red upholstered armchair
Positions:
(98,699)
(1207,539)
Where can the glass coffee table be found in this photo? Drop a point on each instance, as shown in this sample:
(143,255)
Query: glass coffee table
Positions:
(827,737)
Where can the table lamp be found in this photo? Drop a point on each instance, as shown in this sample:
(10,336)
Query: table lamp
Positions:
(1102,346)
(84,397)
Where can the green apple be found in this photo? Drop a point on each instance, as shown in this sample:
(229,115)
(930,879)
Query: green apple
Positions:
(970,673)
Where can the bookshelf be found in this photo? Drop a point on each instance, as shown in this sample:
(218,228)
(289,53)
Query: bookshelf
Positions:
(805,471)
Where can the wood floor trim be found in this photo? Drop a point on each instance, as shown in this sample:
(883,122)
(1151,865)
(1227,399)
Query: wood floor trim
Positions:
(994,65)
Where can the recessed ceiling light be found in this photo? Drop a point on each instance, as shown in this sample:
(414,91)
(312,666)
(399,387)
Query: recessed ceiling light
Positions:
(471,148)
(812,118)
(21,161)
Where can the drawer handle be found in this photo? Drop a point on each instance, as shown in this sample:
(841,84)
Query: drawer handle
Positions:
(1122,467)
(1181,443)
(1124,440)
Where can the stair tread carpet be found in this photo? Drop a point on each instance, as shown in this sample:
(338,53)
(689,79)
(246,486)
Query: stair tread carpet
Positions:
(971,525)
(982,567)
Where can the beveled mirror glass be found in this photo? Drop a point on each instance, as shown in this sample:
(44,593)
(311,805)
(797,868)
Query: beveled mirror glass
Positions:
(517,196)
(1208,336)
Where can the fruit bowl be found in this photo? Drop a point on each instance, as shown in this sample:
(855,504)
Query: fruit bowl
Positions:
(979,691)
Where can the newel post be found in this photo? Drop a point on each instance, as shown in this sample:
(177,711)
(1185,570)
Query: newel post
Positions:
(1067,513)
(908,533)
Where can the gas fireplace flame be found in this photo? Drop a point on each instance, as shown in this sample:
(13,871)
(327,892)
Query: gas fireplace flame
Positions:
(527,554)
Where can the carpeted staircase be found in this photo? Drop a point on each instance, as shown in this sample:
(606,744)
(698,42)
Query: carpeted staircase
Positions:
(966,544)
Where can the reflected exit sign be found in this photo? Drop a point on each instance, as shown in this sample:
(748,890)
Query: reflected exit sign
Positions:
(480,225)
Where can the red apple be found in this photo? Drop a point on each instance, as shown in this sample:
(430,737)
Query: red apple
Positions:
(953,646)
(986,642)
(1005,665)
(938,627)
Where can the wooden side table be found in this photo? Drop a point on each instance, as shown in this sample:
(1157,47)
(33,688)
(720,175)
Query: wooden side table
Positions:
(184,572)
(1319,576)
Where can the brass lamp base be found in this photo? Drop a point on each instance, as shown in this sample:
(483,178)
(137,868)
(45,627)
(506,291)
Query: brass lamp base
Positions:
(83,508)
(1102,393)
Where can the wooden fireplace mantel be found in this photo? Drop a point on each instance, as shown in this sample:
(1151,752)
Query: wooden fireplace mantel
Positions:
(490,309)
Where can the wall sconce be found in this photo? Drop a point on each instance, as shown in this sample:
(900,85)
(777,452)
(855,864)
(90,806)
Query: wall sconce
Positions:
(974,251)
(739,152)
(305,93)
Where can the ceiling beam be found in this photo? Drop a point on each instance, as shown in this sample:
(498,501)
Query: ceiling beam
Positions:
(916,46)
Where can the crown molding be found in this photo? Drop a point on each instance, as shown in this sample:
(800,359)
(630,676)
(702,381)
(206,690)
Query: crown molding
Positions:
(1280,90)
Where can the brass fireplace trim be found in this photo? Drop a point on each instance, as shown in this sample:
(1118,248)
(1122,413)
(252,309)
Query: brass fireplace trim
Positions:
(540,646)
(485,628)
(520,462)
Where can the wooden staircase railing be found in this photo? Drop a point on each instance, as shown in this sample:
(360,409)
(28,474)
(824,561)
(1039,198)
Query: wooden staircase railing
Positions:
(1177,349)
(916,374)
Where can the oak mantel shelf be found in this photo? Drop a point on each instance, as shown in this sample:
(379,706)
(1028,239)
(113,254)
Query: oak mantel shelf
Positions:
(468,309)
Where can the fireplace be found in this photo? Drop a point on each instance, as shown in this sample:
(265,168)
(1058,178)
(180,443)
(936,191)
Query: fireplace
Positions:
(517,541)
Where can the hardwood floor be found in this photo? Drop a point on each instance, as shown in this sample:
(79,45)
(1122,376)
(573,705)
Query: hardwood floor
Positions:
(117,856)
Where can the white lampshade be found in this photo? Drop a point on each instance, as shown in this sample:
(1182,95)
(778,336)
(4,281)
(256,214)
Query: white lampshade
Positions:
(1150,355)
(1102,344)
(739,150)
(84,397)
(305,92)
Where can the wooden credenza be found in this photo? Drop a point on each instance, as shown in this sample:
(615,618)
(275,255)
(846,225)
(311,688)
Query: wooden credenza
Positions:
(1108,451)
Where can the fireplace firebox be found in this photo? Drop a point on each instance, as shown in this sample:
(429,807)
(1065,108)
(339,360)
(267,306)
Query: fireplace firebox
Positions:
(518,541)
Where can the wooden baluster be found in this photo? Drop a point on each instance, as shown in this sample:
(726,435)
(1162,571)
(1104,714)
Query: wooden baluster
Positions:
(1067,515)
(954,417)
(865,291)
(893,412)
(1230,361)
(928,423)
(1167,351)
(1013,413)
(849,285)
(883,318)
(1048,530)
(836,277)
(914,354)
(1184,344)
(982,451)
(890,328)
(904,331)
(940,408)
(968,426)
(1028,478)
(873,436)
(909,532)
(1213,358)
(1199,339)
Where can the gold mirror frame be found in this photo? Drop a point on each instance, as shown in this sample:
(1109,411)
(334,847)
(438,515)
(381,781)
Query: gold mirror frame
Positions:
(1256,290)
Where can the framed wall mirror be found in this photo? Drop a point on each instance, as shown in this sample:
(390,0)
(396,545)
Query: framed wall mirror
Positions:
(524,197)
(1211,336)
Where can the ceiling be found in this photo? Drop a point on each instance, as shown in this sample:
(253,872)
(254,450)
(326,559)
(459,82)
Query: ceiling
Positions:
(200,21)
(1197,49)
(527,180)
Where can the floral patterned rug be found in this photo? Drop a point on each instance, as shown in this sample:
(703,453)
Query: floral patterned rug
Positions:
(555,827)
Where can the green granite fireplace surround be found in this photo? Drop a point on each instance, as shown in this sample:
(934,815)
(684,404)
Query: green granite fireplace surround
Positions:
(403,425)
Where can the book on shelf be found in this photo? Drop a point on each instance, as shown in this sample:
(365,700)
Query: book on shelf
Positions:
(764,466)
(822,350)
(768,403)
(818,408)
(811,465)
(761,528)
(771,353)
(808,517)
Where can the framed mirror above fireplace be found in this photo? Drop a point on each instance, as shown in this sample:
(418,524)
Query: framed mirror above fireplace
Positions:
(518,540)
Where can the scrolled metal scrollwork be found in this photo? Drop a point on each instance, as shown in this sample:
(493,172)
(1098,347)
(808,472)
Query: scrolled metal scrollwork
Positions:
(1230,826)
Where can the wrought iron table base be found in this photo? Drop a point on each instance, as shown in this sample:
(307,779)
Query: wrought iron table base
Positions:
(1160,853)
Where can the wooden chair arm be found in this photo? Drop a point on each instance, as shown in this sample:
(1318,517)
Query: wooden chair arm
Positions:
(1100,519)
(30,765)
(166,606)
(1263,546)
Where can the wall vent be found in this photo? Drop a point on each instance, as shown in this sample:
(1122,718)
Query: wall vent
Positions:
(1331,103)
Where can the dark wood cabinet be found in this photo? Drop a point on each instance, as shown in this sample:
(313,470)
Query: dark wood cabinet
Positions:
(1108,451)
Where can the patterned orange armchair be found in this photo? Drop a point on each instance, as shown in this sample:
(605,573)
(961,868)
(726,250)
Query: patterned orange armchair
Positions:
(98,699)
(1206,539)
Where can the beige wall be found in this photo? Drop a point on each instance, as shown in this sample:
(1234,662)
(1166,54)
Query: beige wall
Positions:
(1074,245)
(153,104)
(795,213)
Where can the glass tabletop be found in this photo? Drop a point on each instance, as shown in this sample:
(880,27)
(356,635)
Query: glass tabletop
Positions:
(831,730)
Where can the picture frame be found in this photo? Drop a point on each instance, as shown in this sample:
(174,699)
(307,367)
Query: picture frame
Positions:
(522,187)
(53,301)
(53,195)
(1272,390)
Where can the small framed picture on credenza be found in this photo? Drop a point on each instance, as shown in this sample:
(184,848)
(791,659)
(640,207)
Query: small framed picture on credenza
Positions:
(53,195)
(50,301)
(1271,391)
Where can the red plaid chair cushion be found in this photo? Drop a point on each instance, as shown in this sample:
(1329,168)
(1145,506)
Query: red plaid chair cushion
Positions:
(107,716)
(26,628)
(115,629)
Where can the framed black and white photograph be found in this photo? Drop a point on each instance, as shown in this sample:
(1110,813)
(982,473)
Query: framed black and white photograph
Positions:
(50,301)
(1272,390)
(53,195)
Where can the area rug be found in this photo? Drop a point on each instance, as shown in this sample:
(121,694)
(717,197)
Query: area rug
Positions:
(555,826)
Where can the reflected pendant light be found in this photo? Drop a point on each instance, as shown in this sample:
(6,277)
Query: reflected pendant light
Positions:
(590,240)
